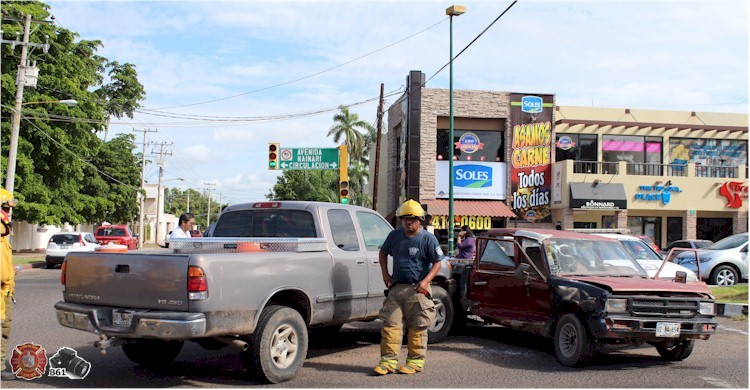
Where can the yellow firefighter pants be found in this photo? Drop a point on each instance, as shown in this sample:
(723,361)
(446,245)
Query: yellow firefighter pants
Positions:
(405,305)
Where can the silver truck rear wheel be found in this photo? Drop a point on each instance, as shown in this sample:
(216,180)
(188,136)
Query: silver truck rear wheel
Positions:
(152,353)
(675,351)
(443,315)
(573,344)
(279,345)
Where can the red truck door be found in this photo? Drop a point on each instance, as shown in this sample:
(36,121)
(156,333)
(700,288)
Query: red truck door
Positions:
(496,292)
(493,288)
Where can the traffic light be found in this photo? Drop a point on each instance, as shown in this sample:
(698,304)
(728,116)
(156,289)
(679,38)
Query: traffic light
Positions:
(273,156)
(344,191)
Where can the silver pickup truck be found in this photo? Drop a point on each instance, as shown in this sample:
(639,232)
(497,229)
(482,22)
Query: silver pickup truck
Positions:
(271,271)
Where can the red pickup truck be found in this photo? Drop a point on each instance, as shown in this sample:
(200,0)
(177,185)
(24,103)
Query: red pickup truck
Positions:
(582,291)
(116,234)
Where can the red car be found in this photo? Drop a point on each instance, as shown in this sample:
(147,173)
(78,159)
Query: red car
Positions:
(116,234)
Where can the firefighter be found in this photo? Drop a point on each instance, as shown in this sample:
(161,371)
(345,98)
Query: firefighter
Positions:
(409,300)
(7,273)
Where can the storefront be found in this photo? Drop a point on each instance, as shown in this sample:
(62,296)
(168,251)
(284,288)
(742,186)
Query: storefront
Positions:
(520,160)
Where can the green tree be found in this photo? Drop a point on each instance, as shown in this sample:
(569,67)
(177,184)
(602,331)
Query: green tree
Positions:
(64,172)
(318,185)
(348,126)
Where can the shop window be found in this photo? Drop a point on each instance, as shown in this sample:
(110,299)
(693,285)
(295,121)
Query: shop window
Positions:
(492,147)
(714,156)
(609,222)
(642,153)
(584,225)
(579,147)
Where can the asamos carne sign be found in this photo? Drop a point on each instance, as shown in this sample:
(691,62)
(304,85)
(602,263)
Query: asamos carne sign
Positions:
(531,124)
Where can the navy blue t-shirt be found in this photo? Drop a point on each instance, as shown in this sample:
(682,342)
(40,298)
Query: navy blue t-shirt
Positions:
(412,256)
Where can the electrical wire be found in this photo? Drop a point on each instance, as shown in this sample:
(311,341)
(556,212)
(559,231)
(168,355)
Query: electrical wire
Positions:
(305,77)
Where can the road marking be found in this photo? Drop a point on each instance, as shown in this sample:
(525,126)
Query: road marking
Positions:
(733,330)
(716,382)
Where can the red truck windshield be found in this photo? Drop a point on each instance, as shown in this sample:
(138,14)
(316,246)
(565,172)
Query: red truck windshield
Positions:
(591,257)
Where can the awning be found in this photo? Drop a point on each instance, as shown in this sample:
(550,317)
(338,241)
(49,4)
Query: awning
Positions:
(599,196)
(481,208)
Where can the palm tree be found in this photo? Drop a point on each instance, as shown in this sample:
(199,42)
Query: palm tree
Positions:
(347,125)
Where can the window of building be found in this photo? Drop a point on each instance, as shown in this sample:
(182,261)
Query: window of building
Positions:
(491,146)
(584,225)
(710,152)
(579,147)
(632,149)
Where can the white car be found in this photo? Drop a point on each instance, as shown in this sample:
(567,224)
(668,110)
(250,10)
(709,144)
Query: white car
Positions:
(61,243)
(649,259)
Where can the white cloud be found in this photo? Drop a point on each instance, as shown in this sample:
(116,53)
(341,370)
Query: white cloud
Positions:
(690,55)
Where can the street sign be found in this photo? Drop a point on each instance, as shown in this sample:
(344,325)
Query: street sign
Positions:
(309,158)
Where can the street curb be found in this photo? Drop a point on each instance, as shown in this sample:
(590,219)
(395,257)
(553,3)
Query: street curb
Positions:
(730,309)
(36,264)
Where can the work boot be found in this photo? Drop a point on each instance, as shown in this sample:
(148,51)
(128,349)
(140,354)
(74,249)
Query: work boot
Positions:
(385,367)
(410,368)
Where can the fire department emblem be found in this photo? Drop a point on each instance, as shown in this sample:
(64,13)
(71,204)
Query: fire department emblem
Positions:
(28,361)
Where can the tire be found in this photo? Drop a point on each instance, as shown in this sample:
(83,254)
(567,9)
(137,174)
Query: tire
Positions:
(724,275)
(152,353)
(443,316)
(279,345)
(573,344)
(679,351)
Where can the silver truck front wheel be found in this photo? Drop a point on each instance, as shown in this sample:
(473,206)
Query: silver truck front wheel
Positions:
(278,346)
(443,315)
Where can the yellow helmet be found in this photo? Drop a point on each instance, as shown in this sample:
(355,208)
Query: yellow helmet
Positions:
(410,209)
(7,199)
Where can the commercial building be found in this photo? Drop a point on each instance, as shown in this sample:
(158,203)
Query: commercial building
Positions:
(520,159)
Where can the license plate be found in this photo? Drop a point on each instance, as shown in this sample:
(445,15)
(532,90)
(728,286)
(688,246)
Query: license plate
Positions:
(120,318)
(667,329)
(64,247)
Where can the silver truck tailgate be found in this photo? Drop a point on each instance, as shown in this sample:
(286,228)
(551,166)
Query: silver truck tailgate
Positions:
(142,281)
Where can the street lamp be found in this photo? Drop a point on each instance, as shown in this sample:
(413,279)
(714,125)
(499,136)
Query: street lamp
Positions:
(10,176)
(160,206)
(451,11)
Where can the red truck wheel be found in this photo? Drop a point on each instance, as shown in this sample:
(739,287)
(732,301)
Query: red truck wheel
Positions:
(573,344)
(676,351)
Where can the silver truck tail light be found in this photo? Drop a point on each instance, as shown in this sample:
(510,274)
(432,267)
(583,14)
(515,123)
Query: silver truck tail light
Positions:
(197,285)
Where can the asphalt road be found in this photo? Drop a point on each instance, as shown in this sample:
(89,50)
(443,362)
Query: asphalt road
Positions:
(486,356)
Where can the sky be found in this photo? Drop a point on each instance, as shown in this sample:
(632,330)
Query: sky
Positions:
(223,78)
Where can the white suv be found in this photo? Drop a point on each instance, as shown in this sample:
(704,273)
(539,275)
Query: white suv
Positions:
(61,243)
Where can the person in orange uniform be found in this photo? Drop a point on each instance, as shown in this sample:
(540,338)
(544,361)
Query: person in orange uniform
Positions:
(7,274)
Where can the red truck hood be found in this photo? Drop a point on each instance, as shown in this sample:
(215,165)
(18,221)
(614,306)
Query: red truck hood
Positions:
(634,284)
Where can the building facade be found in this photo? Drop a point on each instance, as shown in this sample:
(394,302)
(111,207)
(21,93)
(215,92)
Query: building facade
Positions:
(521,160)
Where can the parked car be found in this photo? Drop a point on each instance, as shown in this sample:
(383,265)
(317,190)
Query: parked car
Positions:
(723,263)
(116,234)
(648,241)
(695,244)
(61,243)
(649,259)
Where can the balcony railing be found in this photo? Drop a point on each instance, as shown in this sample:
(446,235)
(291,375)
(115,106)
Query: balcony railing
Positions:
(648,169)
(605,168)
(715,171)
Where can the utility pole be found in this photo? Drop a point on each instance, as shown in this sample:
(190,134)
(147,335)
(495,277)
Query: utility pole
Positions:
(161,163)
(377,152)
(208,210)
(141,196)
(21,82)
(188,200)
